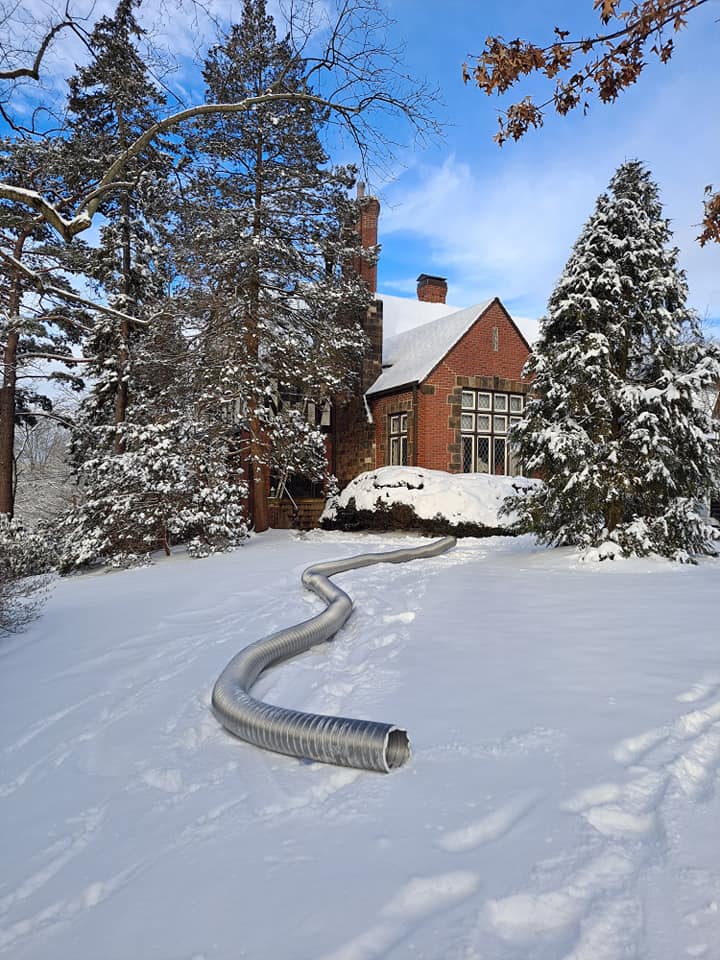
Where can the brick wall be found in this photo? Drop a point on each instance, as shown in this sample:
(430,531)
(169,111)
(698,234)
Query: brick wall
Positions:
(381,411)
(368,230)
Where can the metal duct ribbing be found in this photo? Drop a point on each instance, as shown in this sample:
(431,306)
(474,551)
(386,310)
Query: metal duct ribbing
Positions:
(339,740)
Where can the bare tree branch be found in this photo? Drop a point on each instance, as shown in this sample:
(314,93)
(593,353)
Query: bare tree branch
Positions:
(38,282)
(33,72)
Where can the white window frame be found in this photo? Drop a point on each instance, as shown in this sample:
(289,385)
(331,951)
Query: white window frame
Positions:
(398,439)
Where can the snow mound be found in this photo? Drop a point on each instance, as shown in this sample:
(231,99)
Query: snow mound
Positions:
(458,499)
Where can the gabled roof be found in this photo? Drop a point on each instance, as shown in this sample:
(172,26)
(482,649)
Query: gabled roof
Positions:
(411,356)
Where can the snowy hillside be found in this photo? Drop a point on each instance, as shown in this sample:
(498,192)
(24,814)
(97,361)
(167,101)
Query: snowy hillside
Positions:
(560,804)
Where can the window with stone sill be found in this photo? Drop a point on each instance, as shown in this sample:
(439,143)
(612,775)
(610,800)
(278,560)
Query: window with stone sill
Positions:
(486,423)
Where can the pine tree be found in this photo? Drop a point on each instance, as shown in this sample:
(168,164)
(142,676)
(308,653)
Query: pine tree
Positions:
(112,100)
(173,482)
(147,473)
(618,428)
(268,246)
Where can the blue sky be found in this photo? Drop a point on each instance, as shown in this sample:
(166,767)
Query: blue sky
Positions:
(501,222)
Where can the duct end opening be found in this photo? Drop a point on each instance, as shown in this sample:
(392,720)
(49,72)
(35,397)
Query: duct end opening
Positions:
(397,748)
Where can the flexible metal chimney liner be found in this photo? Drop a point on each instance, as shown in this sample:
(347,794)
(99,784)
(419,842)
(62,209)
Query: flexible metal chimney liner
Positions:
(349,743)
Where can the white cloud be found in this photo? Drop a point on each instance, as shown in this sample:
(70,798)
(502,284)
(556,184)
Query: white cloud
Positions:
(509,232)
(505,235)
(504,222)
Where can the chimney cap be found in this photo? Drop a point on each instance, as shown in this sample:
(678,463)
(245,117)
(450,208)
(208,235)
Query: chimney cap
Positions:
(360,189)
(428,277)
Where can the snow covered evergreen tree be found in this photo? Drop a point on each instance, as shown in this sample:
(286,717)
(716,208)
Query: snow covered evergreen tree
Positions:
(618,429)
(112,100)
(267,254)
(147,474)
(174,481)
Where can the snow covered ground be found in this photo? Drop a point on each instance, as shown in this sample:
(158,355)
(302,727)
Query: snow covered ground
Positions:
(561,802)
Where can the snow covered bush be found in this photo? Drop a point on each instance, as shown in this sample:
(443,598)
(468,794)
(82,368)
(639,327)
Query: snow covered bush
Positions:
(413,498)
(25,558)
(619,427)
(166,488)
(25,551)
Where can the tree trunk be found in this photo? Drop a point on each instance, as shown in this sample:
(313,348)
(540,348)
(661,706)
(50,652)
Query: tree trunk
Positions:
(258,485)
(122,393)
(7,391)
(257,495)
(613,514)
(7,423)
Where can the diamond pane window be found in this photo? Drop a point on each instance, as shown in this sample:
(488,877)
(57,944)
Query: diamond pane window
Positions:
(483,454)
(467,454)
(484,401)
(516,404)
(468,400)
(501,402)
(467,421)
(500,424)
(499,451)
(483,423)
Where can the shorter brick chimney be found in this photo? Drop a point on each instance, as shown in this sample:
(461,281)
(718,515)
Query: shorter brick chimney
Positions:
(431,289)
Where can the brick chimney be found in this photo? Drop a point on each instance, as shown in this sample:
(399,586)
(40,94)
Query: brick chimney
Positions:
(368,230)
(431,289)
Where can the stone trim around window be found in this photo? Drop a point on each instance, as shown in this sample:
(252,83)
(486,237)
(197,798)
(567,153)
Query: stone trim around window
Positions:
(490,385)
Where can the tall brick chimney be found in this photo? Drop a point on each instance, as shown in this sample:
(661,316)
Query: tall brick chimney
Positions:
(368,230)
(431,289)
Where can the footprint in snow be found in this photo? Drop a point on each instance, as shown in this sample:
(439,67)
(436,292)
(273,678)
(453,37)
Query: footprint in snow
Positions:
(407,909)
(406,617)
(523,917)
(699,691)
(491,827)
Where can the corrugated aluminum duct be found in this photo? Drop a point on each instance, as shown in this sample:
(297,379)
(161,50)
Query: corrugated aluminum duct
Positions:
(339,740)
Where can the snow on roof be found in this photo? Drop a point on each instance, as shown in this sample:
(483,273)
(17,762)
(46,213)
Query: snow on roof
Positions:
(410,356)
(403,313)
(529,328)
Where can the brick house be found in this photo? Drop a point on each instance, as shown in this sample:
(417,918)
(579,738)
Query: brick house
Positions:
(442,395)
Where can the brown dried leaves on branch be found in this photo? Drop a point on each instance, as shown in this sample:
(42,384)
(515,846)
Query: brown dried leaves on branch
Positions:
(711,221)
(604,64)
(601,66)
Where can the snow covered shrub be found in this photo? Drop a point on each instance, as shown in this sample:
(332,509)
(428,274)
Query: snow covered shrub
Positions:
(431,501)
(166,488)
(21,599)
(25,552)
(24,559)
(619,427)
